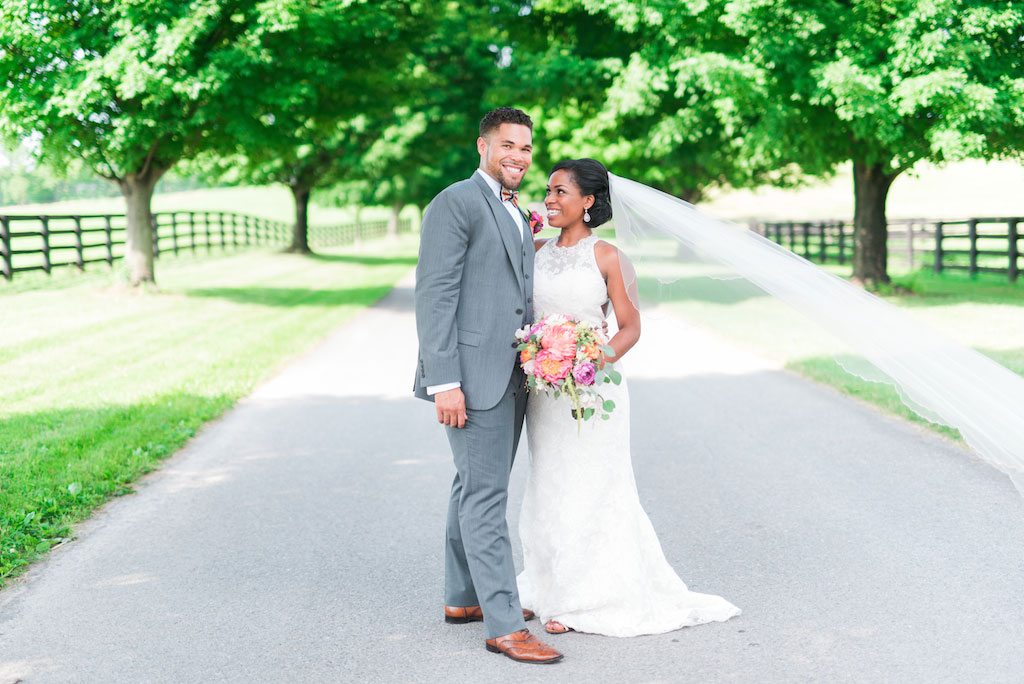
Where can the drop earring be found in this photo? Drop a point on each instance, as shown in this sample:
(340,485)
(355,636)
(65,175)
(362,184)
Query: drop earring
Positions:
(586,215)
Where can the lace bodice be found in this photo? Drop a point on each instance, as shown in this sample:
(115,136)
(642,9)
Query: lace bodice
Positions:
(567,280)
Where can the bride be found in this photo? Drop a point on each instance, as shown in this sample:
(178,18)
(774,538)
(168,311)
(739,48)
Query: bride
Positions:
(592,561)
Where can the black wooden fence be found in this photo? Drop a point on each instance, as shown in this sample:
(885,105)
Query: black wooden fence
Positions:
(42,243)
(975,245)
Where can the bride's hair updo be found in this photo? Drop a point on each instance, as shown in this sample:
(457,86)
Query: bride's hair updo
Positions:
(592,179)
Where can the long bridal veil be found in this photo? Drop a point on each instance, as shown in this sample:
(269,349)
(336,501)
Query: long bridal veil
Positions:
(668,239)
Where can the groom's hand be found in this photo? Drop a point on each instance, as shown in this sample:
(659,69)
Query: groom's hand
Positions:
(451,407)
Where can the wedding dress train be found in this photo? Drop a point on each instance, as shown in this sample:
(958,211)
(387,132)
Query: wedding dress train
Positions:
(592,560)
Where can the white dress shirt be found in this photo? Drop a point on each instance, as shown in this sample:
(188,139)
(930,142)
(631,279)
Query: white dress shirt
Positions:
(495,185)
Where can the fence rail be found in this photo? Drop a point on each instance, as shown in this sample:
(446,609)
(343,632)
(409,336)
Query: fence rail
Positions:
(42,243)
(975,245)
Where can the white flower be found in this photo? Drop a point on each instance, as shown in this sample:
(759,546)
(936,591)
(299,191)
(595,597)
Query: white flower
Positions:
(555,319)
(523,334)
(528,367)
(588,400)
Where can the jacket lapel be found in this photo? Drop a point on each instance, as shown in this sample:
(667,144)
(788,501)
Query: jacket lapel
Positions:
(510,234)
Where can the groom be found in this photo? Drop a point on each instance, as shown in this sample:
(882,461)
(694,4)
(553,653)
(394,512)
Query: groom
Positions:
(474,289)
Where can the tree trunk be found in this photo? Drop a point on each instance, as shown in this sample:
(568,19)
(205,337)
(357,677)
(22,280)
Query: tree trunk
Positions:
(396,210)
(138,194)
(870,229)
(300,231)
(692,195)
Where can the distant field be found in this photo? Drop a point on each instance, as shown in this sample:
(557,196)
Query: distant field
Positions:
(960,190)
(270,201)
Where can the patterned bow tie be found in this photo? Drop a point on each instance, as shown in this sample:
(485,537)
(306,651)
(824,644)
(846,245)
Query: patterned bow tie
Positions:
(510,195)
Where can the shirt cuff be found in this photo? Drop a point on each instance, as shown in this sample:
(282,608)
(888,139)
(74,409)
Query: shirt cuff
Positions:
(434,389)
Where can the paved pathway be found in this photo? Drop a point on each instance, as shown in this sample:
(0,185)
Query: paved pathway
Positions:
(299,539)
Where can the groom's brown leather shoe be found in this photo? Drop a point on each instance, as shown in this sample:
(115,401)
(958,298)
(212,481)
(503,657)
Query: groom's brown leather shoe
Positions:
(460,615)
(523,647)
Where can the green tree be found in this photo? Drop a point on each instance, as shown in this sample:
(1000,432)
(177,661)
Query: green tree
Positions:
(460,68)
(886,85)
(883,84)
(341,71)
(133,87)
(624,82)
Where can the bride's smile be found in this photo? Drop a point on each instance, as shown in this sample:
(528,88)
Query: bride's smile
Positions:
(564,202)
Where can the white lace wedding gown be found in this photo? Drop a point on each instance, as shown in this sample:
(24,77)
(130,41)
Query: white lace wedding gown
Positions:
(592,560)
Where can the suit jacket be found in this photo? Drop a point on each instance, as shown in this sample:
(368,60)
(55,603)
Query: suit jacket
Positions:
(474,289)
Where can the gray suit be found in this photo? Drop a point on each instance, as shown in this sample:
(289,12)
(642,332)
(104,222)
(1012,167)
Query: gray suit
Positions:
(474,289)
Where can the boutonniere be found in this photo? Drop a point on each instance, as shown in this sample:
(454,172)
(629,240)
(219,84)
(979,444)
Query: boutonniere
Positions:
(536,222)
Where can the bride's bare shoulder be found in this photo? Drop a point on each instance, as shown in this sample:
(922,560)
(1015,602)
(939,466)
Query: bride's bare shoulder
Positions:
(539,242)
(605,252)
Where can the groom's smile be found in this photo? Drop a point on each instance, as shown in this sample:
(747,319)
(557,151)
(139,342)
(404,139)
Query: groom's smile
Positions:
(506,154)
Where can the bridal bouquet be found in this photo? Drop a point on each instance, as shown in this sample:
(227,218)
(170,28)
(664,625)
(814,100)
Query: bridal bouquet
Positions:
(560,356)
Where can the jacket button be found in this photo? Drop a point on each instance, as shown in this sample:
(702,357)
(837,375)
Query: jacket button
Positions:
(527,276)
(519,311)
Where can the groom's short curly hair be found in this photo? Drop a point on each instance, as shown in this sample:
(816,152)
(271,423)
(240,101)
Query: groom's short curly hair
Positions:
(493,119)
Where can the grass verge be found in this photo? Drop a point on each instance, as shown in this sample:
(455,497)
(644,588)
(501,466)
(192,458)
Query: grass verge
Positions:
(984,312)
(98,384)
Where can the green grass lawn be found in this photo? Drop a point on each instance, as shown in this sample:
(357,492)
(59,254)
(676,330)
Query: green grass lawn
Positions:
(985,312)
(98,383)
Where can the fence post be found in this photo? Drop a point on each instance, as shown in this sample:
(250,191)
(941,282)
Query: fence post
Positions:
(807,239)
(938,247)
(972,235)
(174,231)
(1012,248)
(192,229)
(842,242)
(45,234)
(822,238)
(910,244)
(156,235)
(80,256)
(108,231)
(206,230)
(5,248)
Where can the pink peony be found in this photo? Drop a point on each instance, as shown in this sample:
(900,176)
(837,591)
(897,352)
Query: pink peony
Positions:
(584,373)
(560,340)
(550,367)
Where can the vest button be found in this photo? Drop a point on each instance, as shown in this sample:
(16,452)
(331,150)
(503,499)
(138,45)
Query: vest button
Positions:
(519,311)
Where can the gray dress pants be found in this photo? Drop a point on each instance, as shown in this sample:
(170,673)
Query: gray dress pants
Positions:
(478,554)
